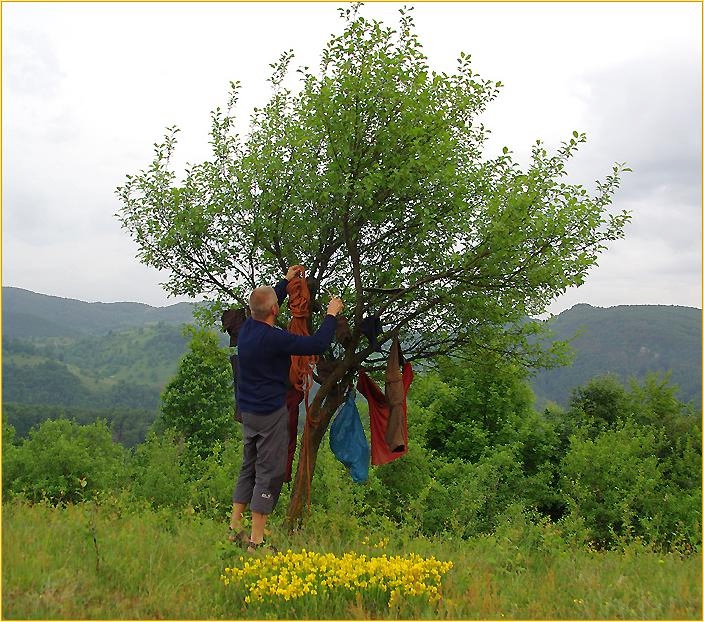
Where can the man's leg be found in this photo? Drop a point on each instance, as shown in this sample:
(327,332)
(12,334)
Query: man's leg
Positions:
(258,524)
(242,494)
(272,449)
(237,513)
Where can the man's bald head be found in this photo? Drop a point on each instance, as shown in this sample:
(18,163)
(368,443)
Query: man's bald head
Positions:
(261,301)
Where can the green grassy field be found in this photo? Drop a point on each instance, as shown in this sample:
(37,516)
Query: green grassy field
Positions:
(111,561)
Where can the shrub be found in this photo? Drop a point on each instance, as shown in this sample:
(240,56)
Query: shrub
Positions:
(614,482)
(63,461)
(211,479)
(159,476)
(9,458)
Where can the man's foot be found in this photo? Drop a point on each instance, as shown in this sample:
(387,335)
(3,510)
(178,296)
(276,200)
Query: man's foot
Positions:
(238,536)
(263,547)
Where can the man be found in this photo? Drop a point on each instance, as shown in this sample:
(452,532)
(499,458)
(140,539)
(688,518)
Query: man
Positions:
(264,357)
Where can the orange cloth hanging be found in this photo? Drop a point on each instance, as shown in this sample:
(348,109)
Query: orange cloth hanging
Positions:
(301,377)
(294,397)
(301,372)
(396,435)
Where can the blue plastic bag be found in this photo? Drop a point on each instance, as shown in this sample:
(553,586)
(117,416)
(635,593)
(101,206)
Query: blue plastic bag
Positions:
(348,442)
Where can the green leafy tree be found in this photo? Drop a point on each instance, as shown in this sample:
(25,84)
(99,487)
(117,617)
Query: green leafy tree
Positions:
(372,175)
(481,407)
(599,404)
(198,401)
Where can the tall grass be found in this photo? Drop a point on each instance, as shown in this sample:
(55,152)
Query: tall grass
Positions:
(120,560)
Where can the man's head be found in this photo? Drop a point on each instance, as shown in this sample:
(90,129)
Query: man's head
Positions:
(263,303)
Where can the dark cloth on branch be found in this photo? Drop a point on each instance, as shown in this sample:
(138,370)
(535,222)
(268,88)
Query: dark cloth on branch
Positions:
(232,320)
(371,328)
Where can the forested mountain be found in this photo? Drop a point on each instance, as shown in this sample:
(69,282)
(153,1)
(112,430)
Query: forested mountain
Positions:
(30,315)
(69,358)
(112,360)
(628,341)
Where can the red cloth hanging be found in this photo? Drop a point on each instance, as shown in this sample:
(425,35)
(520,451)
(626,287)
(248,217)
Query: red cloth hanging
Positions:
(294,397)
(379,416)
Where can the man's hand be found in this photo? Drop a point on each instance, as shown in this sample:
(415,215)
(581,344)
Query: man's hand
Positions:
(335,306)
(295,271)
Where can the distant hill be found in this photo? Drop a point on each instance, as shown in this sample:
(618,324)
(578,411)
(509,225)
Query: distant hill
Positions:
(628,341)
(30,315)
(64,357)
(112,360)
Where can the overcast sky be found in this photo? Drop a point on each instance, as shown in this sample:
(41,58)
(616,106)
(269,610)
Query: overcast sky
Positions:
(87,88)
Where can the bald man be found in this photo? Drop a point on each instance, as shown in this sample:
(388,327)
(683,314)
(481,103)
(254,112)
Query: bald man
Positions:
(264,357)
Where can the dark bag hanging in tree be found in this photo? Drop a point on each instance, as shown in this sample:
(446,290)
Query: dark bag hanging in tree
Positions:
(348,442)
(232,320)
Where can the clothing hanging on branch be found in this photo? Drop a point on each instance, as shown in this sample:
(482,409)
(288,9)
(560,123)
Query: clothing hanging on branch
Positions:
(294,397)
(371,328)
(232,320)
(388,418)
(301,373)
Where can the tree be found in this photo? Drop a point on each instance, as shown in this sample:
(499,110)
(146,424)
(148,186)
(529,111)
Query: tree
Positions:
(479,407)
(198,401)
(372,175)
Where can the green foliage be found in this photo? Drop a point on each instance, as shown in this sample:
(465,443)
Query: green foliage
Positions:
(63,461)
(129,425)
(614,482)
(159,476)
(600,403)
(53,383)
(372,175)
(117,369)
(404,477)
(198,402)
(476,409)
(10,463)
(47,382)
(212,479)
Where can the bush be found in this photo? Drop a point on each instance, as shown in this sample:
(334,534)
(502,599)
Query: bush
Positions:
(614,482)
(9,458)
(467,499)
(403,478)
(158,475)
(211,480)
(63,461)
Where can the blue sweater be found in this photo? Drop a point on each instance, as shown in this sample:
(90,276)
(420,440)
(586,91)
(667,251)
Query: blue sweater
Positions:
(264,358)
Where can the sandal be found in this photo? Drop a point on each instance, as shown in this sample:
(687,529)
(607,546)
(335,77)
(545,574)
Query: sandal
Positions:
(262,546)
(238,537)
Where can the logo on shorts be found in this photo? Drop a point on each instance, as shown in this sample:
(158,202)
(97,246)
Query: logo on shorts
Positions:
(266,495)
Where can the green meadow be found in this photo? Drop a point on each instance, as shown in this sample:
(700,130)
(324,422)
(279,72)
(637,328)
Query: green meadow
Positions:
(115,559)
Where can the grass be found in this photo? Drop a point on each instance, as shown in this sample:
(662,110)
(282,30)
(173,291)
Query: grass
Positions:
(120,561)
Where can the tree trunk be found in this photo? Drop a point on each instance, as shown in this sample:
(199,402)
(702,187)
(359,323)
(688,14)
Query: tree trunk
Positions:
(321,411)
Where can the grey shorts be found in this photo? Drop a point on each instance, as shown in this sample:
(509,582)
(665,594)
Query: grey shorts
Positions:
(264,461)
